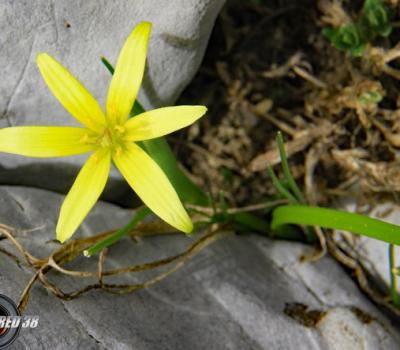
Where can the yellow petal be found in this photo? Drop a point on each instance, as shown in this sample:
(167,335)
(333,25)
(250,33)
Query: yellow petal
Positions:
(128,74)
(44,141)
(71,93)
(84,193)
(152,186)
(162,121)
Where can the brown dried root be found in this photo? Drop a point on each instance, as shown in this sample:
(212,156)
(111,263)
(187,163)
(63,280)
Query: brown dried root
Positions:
(373,176)
(283,70)
(71,250)
(381,59)
(360,273)
(297,65)
(301,140)
(312,159)
(391,137)
(333,13)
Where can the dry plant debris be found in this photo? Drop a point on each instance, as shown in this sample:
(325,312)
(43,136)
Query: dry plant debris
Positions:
(269,68)
(74,248)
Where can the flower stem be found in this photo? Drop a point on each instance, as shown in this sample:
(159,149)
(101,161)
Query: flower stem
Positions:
(98,247)
(108,65)
(280,188)
(393,277)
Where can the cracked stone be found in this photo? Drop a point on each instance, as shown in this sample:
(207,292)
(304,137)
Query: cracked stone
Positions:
(232,295)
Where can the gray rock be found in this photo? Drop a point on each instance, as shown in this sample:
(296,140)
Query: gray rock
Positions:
(77,34)
(230,296)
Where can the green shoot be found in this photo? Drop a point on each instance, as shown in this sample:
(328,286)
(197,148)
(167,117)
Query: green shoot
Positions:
(279,187)
(293,194)
(107,64)
(354,37)
(346,38)
(285,166)
(115,237)
(370,97)
(375,18)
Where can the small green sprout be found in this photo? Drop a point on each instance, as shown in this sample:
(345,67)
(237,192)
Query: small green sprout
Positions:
(370,97)
(347,37)
(375,18)
(354,37)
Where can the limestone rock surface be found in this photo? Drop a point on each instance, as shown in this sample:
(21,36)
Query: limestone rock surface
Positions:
(242,292)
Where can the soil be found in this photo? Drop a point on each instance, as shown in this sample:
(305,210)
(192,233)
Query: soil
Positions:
(268,67)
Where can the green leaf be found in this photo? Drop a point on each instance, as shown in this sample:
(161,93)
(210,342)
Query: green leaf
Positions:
(346,38)
(161,152)
(370,97)
(335,219)
(376,18)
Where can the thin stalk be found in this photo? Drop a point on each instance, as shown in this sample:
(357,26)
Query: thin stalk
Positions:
(281,189)
(108,65)
(285,166)
(98,247)
(393,277)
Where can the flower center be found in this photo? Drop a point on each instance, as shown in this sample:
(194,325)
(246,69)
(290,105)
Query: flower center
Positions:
(112,137)
(107,139)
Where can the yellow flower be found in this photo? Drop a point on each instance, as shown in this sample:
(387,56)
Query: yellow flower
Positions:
(111,137)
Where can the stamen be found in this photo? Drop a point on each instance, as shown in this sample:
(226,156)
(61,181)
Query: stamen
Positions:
(119,129)
(118,151)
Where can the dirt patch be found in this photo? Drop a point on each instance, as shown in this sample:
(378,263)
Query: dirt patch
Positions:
(301,314)
(363,316)
(270,68)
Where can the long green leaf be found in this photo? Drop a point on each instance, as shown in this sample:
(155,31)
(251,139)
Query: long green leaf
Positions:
(335,219)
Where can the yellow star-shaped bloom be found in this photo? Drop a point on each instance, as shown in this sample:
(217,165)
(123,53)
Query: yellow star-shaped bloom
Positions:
(110,136)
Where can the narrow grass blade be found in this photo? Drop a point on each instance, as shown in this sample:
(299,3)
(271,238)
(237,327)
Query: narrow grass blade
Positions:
(280,188)
(335,219)
(285,166)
